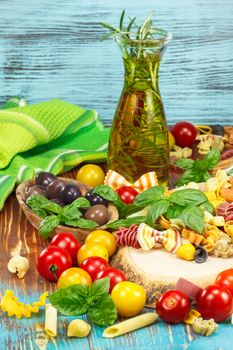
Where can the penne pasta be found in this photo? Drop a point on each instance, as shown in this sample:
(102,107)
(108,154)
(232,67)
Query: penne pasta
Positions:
(50,320)
(130,325)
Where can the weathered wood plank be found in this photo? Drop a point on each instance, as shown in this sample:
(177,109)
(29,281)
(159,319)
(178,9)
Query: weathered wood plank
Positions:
(52,49)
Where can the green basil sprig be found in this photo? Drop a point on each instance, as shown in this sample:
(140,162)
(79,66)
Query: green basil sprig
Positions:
(197,170)
(69,215)
(94,300)
(187,204)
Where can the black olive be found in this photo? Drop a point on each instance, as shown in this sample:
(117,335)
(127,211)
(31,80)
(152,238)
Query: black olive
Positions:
(217,129)
(57,201)
(201,255)
(34,190)
(44,178)
(95,198)
(53,190)
(69,193)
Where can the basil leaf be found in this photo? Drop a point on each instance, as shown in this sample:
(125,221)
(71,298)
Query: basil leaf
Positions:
(107,193)
(71,211)
(193,217)
(205,176)
(188,176)
(128,209)
(104,313)
(174,211)
(81,223)
(208,207)
(70,214)
(100,288)
(47,225)
(71,301)
(126,222)
(200,166)
(185,163)
(212,158)
(156,210)
(150,196)
(52,207)
(40,212)
(37,202)
(80,202)
(188,196)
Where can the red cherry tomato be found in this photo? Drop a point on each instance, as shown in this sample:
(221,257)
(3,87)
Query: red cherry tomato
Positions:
(185,134)
(116,276)
(66,240)
(127,194)
(225,278)
(173,306)
(215,302)
(94,265)
(52,261)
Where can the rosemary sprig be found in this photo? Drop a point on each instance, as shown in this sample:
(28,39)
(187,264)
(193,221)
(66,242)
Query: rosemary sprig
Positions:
(132,30)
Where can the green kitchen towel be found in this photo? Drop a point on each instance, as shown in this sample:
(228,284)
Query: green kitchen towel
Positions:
(53,136)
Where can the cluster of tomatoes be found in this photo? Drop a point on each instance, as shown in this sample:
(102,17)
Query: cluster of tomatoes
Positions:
(215,301)
(67,262)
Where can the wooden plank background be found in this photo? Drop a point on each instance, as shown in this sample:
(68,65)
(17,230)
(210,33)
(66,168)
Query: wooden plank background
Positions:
(51,49)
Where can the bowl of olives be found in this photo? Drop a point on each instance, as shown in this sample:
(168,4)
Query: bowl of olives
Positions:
(63,193)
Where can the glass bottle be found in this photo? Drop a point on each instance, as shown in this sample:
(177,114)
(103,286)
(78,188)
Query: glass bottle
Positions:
(139,136)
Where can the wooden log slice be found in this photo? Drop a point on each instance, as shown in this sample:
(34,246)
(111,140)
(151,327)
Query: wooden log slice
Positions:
(157,270)
(35,220)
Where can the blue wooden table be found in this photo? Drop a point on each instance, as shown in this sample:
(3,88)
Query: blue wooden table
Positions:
(17,235)
(51,49)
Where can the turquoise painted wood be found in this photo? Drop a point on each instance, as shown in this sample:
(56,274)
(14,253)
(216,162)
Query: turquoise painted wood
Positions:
(51,49)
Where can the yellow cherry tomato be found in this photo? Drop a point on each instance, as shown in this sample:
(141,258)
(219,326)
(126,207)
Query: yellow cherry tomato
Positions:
(74,275)
(91,175)
(103,237)
(129,298)
(92,249)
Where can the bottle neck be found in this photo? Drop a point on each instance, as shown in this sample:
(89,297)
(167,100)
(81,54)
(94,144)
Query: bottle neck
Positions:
(142,74)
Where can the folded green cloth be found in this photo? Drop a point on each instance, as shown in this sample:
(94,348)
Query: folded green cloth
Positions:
(53,136)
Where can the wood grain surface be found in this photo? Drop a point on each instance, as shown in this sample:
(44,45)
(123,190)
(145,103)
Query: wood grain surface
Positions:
(51,49)
(17,235)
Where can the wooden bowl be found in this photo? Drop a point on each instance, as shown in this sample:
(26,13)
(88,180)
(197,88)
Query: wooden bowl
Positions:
(35,220)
